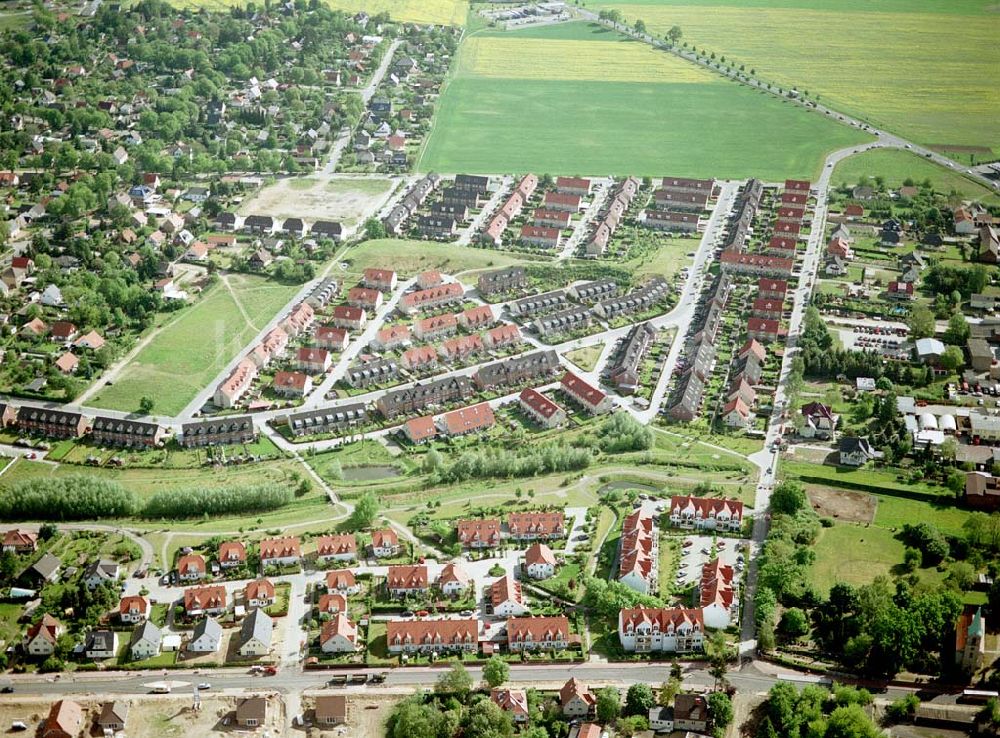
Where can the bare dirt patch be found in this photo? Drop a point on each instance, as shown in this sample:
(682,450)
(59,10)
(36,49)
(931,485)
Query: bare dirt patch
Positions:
(348,200)
(151,715)
(366,715)
(844,505)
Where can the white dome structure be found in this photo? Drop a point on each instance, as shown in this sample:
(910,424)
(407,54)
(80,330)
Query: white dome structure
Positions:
(947,424)
(928,422)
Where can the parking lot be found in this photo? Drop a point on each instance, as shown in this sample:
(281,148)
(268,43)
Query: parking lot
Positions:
(890,342)
(696,552)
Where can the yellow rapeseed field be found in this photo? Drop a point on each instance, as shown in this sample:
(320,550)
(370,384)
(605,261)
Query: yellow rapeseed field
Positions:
(551,59)
(437,12)
(931,76)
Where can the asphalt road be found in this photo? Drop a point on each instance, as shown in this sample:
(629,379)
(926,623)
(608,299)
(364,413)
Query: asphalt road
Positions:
(749,679)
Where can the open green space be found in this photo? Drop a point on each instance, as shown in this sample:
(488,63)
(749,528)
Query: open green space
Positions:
(586,357)
(188,353)
(547,103)
(896,166)
(310,507)
(853,554)
(923,68)
(667,258)
(865,479)
(408,258)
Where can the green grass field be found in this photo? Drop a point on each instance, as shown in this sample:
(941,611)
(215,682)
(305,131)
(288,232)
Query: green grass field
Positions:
(194,347)
(924,68)
(666,260)
(896,166)
(149,481)
(567,99)
(410,257)
(852,554)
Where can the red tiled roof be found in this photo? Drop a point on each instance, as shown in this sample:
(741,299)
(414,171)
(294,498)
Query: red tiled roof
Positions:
(278,548)
(471,418)
(581,390)
(407,577)
(476,531)
(539,402)
(336,544)
(419,429)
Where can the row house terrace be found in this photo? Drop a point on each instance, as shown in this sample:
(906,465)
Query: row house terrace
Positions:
(403,581)
(372,373)
(502,336)
(51,423)
(446,294)
(425,636)
(285,551)
(126,433)
(502,280)
(227,431)
(327,420)
(590,398)
(530,526)
(462,347)
(517,369)
(435,327)
(479,533)
(705,513)
(419,397)
(671,630)
(419,357)
(237,384)
(545,412)
(466,420)
(541,633)
(638,557)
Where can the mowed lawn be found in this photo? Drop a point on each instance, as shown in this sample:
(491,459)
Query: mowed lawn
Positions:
(896,166)
(924,68)
(410,257)
(190,351)
(572,100)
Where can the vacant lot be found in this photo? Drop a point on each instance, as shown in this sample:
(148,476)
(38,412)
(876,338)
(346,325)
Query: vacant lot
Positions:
(410,257)
(896,166)
(545,100)
(921,67)
(346,199)
(843,505)
(192,349)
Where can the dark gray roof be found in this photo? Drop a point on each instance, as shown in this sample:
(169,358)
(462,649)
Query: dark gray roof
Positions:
(46,566)
(259,626)
(317,421)
(100,640)
(128,427)
(217,426)
(517,368)
(146,631)
(208,626)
